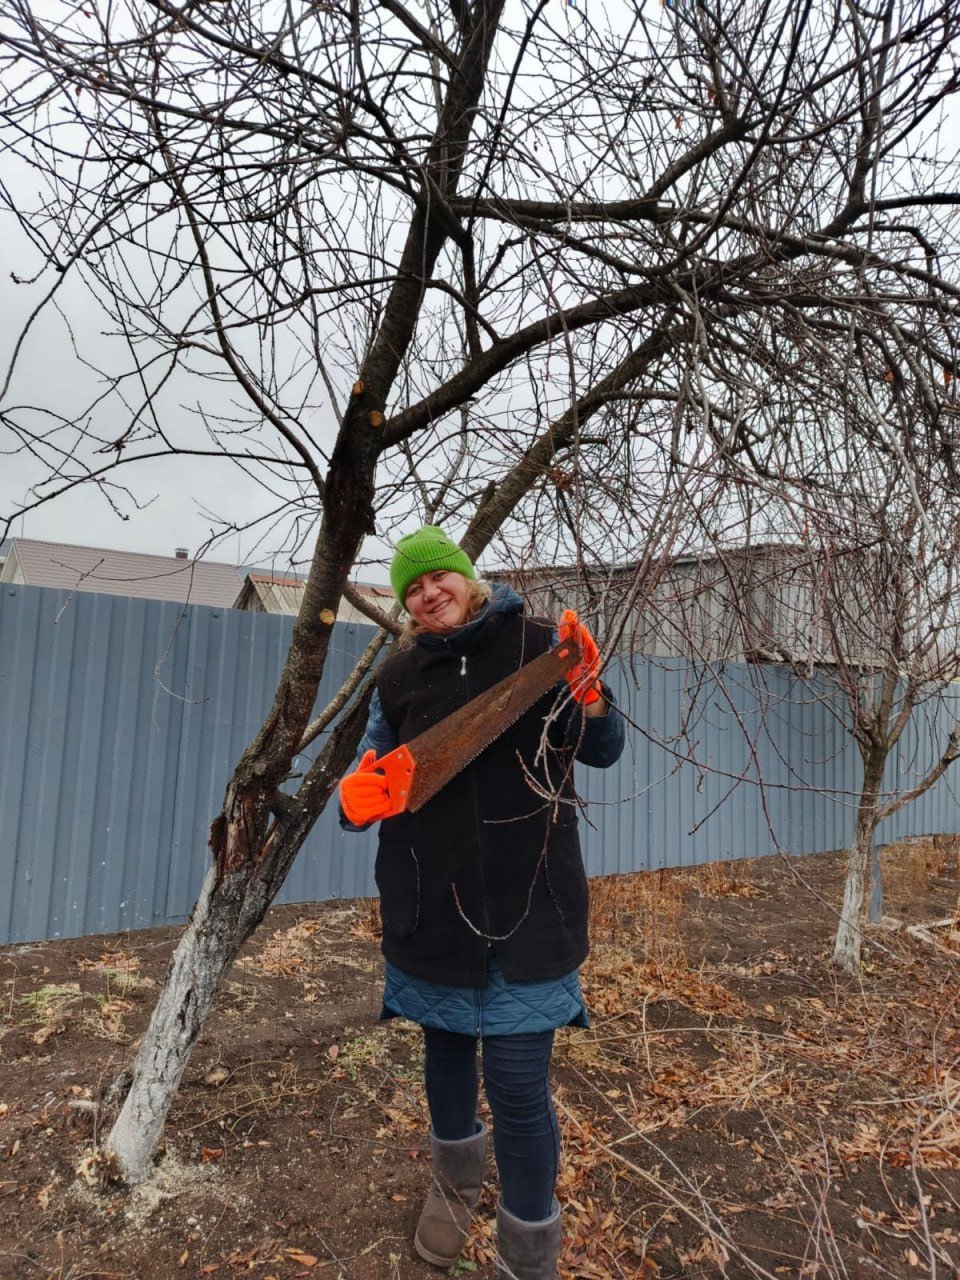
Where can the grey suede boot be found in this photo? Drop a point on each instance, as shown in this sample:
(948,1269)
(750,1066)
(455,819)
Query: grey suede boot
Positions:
(457,1179)
(528,1250)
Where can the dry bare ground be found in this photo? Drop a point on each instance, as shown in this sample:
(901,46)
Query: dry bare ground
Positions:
(735,1109)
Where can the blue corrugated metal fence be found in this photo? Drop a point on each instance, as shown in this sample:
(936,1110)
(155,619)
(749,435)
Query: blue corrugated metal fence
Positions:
(120,720)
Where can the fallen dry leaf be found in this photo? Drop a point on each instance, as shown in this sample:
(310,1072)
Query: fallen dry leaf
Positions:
(300,1258)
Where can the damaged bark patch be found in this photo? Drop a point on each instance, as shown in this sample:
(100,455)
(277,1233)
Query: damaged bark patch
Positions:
(239,841)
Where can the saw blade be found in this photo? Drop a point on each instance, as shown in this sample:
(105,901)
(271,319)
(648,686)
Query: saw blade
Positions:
(442,751)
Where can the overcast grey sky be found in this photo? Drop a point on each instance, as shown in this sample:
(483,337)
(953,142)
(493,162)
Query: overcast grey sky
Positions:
(175,502)
(179,499)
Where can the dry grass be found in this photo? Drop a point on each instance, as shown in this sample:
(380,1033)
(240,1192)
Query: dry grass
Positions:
(908,867)
(720,1058)
(734,879)
(640,913)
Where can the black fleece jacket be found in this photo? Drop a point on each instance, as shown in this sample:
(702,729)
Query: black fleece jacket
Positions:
(493,860)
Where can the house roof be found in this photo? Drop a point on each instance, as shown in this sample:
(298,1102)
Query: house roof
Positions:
(275,593)
(120,573)
(708,555)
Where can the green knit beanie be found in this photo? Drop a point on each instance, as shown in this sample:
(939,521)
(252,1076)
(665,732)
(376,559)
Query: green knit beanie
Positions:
(422,552)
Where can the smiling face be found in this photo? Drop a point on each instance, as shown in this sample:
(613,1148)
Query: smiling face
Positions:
(438,600)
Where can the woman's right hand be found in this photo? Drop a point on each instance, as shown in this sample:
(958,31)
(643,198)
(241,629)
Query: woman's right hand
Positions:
(365,793)
(584,677)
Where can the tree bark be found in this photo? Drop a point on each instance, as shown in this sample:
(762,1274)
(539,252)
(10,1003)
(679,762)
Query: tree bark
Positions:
(205,951)
(857,890)
(230,906)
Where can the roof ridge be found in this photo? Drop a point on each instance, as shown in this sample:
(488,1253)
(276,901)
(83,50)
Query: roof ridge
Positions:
(121,551)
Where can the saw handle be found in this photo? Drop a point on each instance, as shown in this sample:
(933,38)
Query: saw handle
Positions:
(584,677)
(398,765)
(377,788)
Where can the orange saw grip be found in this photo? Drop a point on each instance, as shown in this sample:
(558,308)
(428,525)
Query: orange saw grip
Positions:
(399,766)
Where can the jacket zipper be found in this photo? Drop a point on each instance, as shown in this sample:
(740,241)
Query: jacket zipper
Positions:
(476,823)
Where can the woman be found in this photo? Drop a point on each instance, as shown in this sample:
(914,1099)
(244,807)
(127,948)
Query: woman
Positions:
(483,895)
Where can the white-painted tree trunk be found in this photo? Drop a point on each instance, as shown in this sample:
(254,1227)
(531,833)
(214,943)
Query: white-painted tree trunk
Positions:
(846,949)
(857,890)
(207,948)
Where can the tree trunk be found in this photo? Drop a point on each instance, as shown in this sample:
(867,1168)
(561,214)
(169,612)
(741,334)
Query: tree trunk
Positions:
(230,906)
(857,890)
(205,951)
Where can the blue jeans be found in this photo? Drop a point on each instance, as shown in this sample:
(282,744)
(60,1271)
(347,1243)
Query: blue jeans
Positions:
(516,1078)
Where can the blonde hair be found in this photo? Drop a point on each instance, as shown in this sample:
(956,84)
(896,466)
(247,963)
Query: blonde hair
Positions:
(478,593)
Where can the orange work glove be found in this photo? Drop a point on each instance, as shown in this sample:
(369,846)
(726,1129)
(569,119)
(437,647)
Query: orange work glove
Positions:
(365,793)
(583,678)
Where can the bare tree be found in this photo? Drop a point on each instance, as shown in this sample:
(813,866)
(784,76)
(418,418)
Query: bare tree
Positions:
(880,536)
(549,277)
(844,564)
(833,547)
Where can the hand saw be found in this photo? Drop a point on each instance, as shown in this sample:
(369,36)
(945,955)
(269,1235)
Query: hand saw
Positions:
(417,770)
